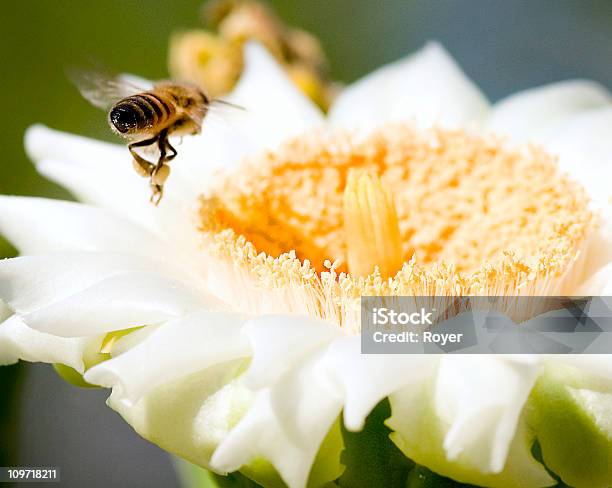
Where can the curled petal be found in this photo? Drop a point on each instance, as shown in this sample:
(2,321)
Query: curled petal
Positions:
(427,87)
(364,379)
(280,342)
(481,398)
(275,109)
(421,435)
(18,341)
(286,425)
(28,283)
(176,349)
(535,113)
(119,302)
(191,415)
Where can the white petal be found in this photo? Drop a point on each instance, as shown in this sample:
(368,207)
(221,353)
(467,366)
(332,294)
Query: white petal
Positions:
(43,143)
(598,365)
(18,341)
(31,282)
(296,403)
(427,87)
(596,272)
(176,349)
(118,302)
(286,425)
(39,225)
(275,107)
(219,413)
(106,178)
(365,379)
(535,113)
(298,395)
(481,398)
(102,174)
(95,172)
(220,147)
(279,342)
(599,284)
(584,146)
(420,434)
(5,312)
(191,415)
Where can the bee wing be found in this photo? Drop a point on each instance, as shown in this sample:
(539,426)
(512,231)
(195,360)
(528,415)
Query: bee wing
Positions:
(223,109)
(103,90)
(227,114)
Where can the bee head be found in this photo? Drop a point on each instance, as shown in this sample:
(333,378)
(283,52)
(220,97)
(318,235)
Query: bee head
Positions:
(123,118)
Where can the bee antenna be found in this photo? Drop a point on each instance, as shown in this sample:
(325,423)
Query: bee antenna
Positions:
(229,104)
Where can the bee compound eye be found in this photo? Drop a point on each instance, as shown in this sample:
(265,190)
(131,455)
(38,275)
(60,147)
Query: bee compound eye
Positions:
(124,118)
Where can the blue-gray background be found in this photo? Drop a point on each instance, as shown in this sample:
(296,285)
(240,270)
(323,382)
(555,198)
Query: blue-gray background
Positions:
(504,45)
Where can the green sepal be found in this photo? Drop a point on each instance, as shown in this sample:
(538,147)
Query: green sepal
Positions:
(566,418)
(72,376)
(262,473)
(326,467)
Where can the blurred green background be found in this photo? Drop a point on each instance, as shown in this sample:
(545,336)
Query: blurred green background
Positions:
(503,45)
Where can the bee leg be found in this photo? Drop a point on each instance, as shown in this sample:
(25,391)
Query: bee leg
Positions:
(159,175)
(141,165)
(157,192)
(170,148)
(143,143)
(160,171)
(162,142)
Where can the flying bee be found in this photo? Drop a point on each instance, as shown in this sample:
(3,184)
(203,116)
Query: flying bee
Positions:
(148,116)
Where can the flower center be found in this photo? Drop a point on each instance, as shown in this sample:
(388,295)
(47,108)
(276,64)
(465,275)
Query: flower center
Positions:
(328,218)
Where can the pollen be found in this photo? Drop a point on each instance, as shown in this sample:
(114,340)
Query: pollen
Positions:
(327,218)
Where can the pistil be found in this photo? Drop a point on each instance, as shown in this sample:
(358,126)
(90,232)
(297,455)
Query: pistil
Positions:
(371,226)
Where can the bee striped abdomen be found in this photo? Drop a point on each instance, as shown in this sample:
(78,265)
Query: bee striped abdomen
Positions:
(163,109)
(140,112)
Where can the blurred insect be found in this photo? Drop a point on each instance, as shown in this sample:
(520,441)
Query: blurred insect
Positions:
(147,116)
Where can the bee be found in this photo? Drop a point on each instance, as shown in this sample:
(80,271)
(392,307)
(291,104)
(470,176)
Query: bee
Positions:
(147,116)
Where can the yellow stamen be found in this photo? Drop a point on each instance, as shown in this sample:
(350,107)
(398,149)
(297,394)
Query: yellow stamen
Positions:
(371,226)
(474,217)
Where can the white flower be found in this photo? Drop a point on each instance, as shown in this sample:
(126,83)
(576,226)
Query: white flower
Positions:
(230,377)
